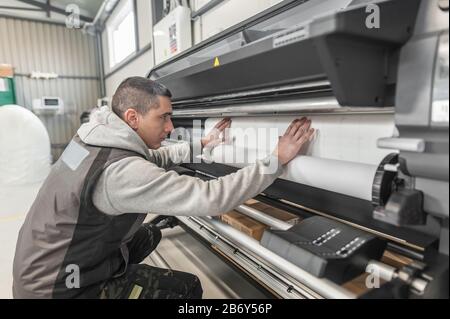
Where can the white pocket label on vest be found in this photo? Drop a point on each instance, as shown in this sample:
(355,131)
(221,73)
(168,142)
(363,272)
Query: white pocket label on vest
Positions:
(74,155)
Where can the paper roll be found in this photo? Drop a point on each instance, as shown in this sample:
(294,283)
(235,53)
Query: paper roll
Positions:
(343,177)
(348,178)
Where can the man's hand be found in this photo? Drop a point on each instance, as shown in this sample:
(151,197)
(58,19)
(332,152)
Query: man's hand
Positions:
(215,137)
(296,136)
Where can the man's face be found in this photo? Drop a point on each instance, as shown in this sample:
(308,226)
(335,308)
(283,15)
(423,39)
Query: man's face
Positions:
(156,125)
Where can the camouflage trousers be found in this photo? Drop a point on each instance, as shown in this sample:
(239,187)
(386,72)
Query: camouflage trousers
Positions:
(146,282)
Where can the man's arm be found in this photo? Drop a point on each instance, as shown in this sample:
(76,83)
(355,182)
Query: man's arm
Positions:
(169,156)
(182,152)
(134,185)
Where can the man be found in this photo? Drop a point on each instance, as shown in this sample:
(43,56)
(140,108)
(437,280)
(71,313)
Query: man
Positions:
(84,236)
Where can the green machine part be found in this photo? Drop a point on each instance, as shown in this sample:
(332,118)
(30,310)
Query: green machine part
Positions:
(7,91)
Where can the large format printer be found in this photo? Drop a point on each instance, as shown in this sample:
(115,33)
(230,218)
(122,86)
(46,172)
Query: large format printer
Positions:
(373,77)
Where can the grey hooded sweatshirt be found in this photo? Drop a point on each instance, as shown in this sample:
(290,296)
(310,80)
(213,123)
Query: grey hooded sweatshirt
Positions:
(145,186)
(96,197)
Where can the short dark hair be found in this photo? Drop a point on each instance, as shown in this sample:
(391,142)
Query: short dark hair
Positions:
(138,93)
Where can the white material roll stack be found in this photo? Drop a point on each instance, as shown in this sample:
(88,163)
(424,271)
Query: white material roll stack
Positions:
(25,156)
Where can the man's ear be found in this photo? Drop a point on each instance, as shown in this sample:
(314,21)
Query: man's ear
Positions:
(131,117)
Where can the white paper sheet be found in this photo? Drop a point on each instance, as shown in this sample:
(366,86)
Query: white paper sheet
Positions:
(3,85)
(343,157)
(341,137)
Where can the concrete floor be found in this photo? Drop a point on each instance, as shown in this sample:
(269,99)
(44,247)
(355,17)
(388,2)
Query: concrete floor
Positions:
(178,250)
(14,204)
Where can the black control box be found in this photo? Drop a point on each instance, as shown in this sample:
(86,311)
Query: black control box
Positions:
(326,248)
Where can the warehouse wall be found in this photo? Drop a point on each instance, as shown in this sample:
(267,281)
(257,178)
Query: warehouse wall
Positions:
(51,48)
(225,15)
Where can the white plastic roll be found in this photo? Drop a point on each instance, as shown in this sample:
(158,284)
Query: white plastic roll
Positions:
(348,178)
(25,156)
(343,177)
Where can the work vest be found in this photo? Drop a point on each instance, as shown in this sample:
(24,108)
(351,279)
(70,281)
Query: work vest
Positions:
(67,248)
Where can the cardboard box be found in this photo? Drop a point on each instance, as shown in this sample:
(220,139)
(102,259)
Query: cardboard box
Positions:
(6,71)
(245,224)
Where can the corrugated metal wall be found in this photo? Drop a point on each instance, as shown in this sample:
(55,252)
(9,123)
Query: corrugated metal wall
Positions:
(34,46)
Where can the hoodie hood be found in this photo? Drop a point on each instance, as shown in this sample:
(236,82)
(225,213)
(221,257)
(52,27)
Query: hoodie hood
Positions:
(106,129)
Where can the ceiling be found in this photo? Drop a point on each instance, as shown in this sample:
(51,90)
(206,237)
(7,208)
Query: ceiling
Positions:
(90,6)
(53,10)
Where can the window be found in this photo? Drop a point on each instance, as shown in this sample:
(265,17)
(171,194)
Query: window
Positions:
(121,34)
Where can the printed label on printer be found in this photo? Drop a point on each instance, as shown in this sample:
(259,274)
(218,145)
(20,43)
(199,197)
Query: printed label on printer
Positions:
(291,36)
(173,42)
(440,111)
(440,90)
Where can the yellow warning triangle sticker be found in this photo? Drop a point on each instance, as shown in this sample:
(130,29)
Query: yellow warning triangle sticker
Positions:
(216,62)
